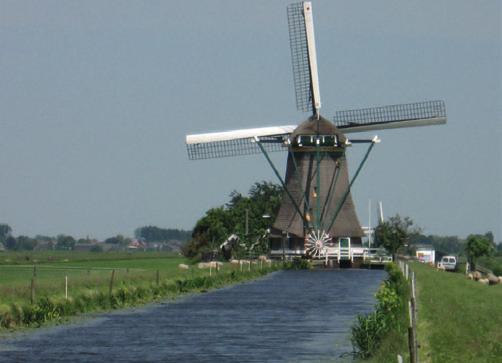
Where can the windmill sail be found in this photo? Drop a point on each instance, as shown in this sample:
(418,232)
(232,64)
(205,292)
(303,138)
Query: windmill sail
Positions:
(391,117)
(303,56)
(236,142)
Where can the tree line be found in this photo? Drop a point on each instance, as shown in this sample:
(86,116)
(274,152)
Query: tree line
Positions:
(67,243)
(156,234)
(400,234)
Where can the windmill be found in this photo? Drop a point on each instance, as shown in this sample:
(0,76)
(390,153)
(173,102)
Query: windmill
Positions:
(317,217)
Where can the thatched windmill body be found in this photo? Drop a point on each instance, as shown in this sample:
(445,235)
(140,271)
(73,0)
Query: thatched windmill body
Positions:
(317,217)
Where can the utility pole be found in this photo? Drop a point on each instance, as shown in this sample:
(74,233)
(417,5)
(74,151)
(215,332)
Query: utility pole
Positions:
(247,222)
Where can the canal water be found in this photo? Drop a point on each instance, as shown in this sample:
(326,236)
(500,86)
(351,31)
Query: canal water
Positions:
(288,316)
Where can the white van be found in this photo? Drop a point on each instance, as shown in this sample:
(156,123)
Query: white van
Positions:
(449,263)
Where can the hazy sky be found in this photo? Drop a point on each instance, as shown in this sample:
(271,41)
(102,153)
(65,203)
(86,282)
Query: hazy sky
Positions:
(96,98)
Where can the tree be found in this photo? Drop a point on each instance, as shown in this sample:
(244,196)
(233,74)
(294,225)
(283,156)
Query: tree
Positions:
(156,234)
(64,242)
(395,233)
(10,243)
(25,243)
(451,245)
(5,231)
(96,248)
(219,223)
(113,240)
(477,246)
(118,240)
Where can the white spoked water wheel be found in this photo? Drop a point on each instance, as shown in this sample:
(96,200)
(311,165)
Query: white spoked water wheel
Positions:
(316,243)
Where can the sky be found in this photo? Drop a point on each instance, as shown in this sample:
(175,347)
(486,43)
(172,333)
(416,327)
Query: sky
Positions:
(96,98)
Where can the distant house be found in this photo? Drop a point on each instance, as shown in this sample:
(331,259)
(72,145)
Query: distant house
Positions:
(136,245)
(44,245)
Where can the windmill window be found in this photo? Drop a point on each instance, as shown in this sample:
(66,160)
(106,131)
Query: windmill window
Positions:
(322,140)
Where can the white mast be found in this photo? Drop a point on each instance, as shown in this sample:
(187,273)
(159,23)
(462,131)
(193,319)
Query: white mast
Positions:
(370,231)
(380,211)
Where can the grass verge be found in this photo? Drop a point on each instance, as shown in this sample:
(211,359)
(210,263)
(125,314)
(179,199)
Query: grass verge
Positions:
(459,320)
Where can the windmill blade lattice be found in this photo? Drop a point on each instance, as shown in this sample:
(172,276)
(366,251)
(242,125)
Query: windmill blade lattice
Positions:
(300,57)
(229,148)
(237,142)
(392,116)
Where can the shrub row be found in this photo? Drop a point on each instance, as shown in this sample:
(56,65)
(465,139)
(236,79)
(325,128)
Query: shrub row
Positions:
(47,309)
(369,330)
(297,263)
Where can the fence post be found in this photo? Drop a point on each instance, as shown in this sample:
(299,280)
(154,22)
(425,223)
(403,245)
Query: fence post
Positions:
(412,328)
(111,284)
(32,293)
(411,337)
(157,277)
(34,270)
(413,293)
(66,287)
(210,268)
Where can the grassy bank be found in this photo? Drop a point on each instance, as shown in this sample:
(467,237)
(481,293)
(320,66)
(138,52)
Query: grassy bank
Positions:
(459,320)
(384,332)
(102,284)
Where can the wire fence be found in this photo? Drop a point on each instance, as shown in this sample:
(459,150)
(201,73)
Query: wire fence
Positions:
(412,313)
(26,283)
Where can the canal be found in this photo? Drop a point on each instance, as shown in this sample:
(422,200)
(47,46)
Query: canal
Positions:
(288,316)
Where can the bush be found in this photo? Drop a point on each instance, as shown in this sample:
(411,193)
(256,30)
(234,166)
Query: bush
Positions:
(7,321)
(369,330)
(298,263)
(367,333)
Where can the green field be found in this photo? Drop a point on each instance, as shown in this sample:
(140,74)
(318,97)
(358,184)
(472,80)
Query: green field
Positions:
(51,270)
(134,279)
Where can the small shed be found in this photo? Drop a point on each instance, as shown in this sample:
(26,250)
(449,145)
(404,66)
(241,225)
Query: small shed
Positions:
(426,254)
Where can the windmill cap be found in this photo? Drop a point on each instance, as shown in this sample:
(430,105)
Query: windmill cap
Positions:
(325,127)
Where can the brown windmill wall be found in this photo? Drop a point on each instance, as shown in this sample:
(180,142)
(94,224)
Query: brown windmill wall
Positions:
(304,178)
